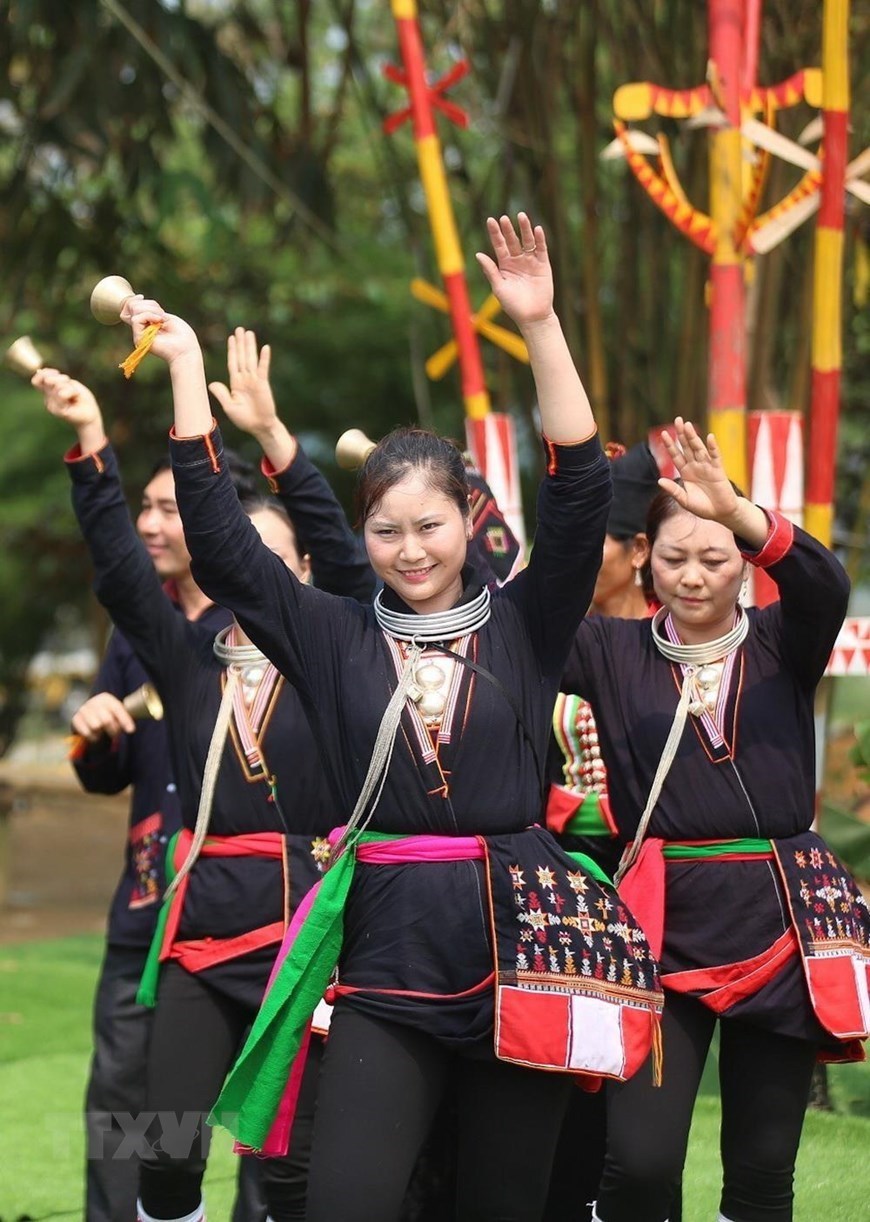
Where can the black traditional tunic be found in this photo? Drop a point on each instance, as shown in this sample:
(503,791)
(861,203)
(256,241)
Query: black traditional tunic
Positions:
(227,897)
(751,774)
(419,932)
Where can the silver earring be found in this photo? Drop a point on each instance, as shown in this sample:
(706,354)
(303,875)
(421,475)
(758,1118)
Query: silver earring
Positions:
(638,580)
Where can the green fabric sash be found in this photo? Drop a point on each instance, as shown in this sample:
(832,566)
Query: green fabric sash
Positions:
(591,867)
(588,820)
(252,1093)
(147,992)
(674,850)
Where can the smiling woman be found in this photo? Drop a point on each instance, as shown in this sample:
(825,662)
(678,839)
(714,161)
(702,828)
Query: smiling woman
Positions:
(432,712)
(413,501)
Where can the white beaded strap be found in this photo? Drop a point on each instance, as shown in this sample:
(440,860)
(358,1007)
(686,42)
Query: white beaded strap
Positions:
(693,657)
(382,753)
(209,780)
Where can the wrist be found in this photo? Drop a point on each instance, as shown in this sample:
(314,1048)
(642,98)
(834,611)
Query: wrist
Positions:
(269,434)
(91,436)
(187,361)
(534,327)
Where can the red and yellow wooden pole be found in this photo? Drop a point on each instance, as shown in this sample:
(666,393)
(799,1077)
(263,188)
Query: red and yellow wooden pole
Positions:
(447,248)
(828,274)
(727,369)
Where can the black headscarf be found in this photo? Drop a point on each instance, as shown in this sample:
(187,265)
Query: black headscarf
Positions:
(635,483)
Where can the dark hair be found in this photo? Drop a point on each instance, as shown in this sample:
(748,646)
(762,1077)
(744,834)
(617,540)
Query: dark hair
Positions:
(662,507)
(406,450)
(253,501)
(242,473)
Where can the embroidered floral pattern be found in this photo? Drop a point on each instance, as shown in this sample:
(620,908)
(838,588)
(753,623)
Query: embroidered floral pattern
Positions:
(569,926)
(146,851)
(829,909)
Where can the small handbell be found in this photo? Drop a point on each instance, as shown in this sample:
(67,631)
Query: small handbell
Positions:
(108,297)
(144,703)
(352,449)
(23,357)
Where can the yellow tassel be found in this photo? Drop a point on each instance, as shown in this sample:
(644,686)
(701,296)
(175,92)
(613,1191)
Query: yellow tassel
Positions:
(861,289)
(142,349)
(658,1052)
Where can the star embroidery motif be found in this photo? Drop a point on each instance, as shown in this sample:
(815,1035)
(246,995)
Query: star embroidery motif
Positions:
(546,877)
(517,877)
(577,882)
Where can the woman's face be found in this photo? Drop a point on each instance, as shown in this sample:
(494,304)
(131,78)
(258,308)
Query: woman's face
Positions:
(279,537)
(416,539)
(622,559)
(697,572)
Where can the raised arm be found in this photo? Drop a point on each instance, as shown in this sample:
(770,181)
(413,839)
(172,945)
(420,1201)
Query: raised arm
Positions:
(522,280)
(337,563)
(555,589)
(125,580)
(813,586)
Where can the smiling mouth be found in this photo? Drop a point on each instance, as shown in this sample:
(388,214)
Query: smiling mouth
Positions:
(415,574)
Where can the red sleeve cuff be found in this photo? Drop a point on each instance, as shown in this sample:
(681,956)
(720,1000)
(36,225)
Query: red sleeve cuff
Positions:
(208,442)
(74,455)
(561,454)
(196,436)
(271,474)
(780,537)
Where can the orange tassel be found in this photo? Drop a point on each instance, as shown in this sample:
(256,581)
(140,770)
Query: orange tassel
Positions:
(658,1051)
(75,747)
(141,350)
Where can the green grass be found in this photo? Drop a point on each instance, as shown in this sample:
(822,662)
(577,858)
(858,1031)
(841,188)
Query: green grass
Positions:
(46,990)
(45,1000)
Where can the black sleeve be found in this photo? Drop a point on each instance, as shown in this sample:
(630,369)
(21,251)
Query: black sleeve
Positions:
(338,565)
(104,766)
(814,596)
(125,580)
(555,589)
(296,626)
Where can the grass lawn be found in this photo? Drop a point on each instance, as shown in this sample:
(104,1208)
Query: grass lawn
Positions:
(45,998)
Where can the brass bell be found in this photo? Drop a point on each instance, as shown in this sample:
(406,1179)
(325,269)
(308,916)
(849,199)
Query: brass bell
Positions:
(352,449)
(144,703)
(23,357)
(108,297)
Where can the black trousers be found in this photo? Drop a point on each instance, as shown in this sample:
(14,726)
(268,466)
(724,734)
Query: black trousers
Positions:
(579,1161)
(764,1081)
(196,1035)
(115,1098)
(380,1087)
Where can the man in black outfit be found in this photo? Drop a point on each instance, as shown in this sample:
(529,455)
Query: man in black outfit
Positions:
(114,752)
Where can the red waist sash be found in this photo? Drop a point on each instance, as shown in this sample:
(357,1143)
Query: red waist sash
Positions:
(195,954)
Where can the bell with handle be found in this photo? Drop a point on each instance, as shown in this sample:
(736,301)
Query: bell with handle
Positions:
(352,449)
(23,357)
(108,297)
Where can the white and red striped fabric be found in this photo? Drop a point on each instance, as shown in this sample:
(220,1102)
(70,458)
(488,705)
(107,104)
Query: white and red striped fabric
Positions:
(493,443)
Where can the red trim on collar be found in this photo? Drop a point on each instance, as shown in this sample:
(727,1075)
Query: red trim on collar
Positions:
(778,543)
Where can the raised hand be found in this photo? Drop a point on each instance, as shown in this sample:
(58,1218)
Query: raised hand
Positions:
(248,400)
(73,403)
(522,278)
(176,339)
(706,490)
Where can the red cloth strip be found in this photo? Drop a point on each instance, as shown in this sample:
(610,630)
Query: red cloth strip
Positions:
(199,953)
(725,985)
